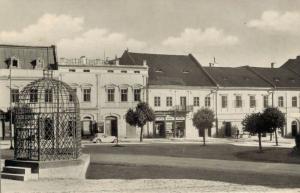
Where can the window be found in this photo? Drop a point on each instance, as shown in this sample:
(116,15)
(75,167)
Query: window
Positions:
(33,96)
(72,70)
(74,92)
(207,101)
(123,71)
(157,101)
(110,71)
(169,101)
(183,101)
(86,70)
(294,101)
(266,101)
(196,101)
(48,96)
(15,95)
(124,93)
(111,95)
(14,62)
(136,71)
(137,94)
(87,95)
(224,101)
(238,101)
(280,101)
(252,101)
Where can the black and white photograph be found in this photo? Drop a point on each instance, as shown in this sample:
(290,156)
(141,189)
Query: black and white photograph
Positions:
(140,96)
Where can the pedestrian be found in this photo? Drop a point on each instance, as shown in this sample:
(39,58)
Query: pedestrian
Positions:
(237,133)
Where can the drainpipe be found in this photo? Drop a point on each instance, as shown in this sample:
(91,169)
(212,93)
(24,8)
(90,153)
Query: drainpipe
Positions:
(216,103)
(286,111)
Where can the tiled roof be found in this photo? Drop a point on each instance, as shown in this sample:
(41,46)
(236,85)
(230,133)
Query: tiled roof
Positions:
(279,77)
(293,64)
(236,77)
(27,55)
(182,70)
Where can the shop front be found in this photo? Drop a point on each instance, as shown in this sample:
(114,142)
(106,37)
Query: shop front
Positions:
(166,125)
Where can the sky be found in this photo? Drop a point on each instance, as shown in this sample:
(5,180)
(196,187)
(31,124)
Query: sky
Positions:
(234,32)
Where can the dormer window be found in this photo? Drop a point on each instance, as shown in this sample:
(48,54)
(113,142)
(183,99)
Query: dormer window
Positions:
(185,71)
(292,80)
(38,63)
(14,62)
(159,70)
(246,78)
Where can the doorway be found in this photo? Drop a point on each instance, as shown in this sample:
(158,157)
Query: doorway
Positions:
(159,130)
(227,129)
(294,128)
(111,126)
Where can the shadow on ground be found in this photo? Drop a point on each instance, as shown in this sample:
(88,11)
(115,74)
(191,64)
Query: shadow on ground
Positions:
(100,171)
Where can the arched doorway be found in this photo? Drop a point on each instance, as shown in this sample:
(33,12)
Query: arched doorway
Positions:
(294,128)
(111,126)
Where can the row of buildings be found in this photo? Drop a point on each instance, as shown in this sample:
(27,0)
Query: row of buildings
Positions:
(175,86)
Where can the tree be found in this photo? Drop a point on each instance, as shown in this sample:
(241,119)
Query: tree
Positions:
(140,116)
(274,119)
(254,123)
(203,119)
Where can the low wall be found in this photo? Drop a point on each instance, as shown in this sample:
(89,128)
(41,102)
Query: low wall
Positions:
(65,169)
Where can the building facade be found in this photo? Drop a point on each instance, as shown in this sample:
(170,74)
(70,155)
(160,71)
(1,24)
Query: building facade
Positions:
(175,86)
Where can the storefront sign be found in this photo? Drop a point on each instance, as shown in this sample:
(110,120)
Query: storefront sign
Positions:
(159,118)
(169,118)
(180,118)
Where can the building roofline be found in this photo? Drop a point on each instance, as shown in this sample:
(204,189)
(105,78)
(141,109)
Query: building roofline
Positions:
(260,76)
(205,72)
(26,46)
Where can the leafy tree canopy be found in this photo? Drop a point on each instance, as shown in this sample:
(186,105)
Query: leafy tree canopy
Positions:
(203,118)
(273,118)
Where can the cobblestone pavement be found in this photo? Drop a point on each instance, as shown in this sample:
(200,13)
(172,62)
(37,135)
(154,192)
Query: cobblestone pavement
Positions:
(132,186)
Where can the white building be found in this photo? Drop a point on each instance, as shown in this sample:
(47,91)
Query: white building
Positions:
(175,86)
(179,86)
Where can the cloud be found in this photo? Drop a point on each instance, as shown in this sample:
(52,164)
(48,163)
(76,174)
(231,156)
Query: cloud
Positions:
(71,38)
(276,21)
(47,30)
(197,38)
(94,42)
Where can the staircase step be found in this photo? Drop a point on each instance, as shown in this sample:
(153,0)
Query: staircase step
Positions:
(16,170)
(20,177)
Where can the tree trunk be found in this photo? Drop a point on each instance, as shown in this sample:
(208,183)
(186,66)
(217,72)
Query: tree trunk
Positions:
(204,137)
(271,134)
(259,142)
(276,138)
(141,135)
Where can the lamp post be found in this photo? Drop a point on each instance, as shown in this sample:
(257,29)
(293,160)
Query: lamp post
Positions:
(10,106)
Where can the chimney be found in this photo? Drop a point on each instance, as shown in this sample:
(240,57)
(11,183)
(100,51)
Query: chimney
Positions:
(272,64)
(144,62)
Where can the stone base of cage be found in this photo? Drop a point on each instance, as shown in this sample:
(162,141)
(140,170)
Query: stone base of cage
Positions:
(69,169)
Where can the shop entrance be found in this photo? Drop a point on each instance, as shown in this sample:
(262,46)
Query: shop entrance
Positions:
(294,128)
(111,126)
(159,130)
(227,129)
(180,129)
